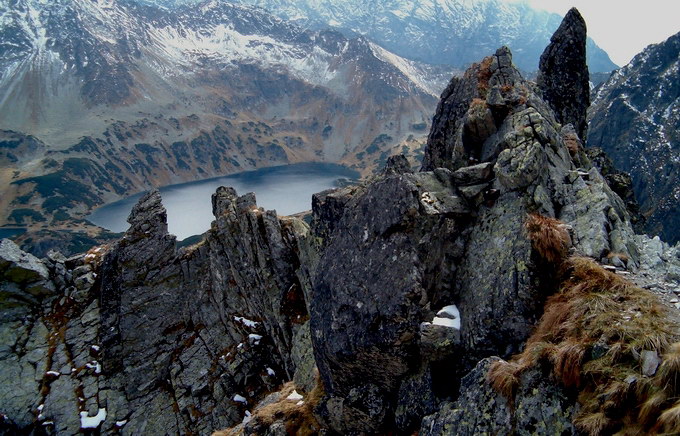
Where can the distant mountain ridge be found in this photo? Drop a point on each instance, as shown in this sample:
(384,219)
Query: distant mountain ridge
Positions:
(452,32)
(635,118)
(134,96)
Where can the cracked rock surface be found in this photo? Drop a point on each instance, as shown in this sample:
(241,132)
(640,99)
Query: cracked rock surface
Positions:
(154,339)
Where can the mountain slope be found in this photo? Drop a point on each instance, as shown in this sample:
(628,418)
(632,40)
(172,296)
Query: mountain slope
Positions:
(455,32)
(382,316)
(136,96)
(635,118)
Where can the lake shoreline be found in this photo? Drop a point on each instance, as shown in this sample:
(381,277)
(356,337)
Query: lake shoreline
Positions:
(285,188)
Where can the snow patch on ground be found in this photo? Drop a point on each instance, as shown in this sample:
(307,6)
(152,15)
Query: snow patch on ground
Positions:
(92,421)
(294,396)
(407,68)
(94,365)
(448,316)
(246,322)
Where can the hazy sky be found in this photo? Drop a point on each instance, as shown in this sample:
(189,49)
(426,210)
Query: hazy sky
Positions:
(622,27)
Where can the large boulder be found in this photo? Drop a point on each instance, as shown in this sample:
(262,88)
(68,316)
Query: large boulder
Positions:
(385,267)
(23,277)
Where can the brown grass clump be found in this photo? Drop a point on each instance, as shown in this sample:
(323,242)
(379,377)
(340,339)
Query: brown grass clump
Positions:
(573,144)
(669,420)
(622,256)
(477,104)
(549,237)
(567,361)
(503,377)
(298,418)
(592,423)
(591,335)
(483,75)
(669,371)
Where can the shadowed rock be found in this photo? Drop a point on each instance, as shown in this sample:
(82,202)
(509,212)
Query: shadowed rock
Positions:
(404,246)
(563,73)
(470,111)
(155,335)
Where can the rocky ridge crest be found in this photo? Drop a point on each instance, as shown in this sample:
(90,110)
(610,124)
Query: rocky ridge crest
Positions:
(635,118)
(400,294)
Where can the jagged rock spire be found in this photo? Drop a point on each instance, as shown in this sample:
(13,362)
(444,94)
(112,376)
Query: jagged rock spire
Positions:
(149,215)
(456,136)
(563,76)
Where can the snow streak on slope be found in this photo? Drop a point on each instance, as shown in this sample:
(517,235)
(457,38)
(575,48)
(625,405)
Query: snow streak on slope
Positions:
(635,118)
(414,71)
(453,32)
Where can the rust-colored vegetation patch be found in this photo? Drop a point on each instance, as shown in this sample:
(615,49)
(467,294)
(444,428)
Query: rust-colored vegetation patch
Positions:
(296,415)
(592,335)
(549,237)
(483,75)
(478,104)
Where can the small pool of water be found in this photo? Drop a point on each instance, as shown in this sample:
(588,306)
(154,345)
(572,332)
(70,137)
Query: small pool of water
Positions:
(287,189)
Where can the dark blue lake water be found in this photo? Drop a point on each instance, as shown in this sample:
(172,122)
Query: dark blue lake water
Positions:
(8,233)
(287,189)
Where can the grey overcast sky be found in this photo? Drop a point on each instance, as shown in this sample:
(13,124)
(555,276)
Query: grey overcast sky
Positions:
(623,28)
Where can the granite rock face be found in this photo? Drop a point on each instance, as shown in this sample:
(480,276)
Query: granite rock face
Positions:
(563,76)
(400,292)
(456,130)
(154,339)
(24,277)
(365,339)
(407,246)
(540,408)
(620,182)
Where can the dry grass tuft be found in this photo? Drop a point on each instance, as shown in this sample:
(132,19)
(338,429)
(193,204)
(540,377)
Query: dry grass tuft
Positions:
(592,424)
(573,146)
(567,361)
(298,418)
(591,335)
(503,377)
(549,237)
(669,371)
(622,256)
(650,408)
(478,104)
(669,420)
(483,75)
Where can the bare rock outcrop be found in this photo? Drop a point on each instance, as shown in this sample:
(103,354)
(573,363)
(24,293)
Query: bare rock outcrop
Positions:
(412,254)
(142,337)
(563,76)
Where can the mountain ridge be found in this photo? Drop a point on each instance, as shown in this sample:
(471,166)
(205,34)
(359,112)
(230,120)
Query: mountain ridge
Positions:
(454,32)
(145,97)
(635,118)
